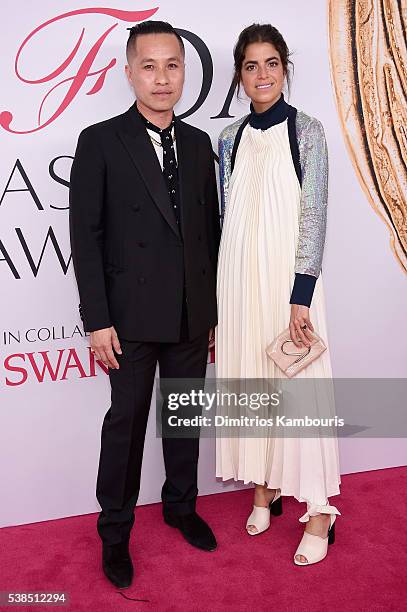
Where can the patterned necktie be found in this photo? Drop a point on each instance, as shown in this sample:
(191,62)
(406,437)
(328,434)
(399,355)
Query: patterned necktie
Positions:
(170,170)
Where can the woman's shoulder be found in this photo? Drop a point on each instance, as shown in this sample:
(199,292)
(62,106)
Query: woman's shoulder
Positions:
(229,132)
(308,125)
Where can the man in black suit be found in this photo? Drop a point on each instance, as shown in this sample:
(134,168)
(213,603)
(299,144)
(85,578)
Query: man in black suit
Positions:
(144,224)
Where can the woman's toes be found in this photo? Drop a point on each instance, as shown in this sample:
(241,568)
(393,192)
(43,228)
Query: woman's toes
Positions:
(301,559)
(252,529)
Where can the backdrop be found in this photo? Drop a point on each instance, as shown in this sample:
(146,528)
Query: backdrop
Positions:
(62,68)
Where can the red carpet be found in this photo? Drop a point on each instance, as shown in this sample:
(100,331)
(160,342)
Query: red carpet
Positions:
(365,569)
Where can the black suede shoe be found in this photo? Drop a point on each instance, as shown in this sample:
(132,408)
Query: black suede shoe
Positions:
(193,528)
(117,564)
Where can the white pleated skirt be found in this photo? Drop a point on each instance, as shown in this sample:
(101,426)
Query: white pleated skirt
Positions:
(255,278)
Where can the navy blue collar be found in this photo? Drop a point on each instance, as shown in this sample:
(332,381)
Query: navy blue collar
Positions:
(277,113)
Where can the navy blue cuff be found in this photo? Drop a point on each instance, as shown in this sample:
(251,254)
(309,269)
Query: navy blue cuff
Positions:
(303,289)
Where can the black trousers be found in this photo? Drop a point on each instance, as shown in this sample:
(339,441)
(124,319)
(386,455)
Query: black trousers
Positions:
(124,428)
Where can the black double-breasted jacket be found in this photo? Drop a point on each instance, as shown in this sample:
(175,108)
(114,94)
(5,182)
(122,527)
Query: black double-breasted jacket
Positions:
(132,261)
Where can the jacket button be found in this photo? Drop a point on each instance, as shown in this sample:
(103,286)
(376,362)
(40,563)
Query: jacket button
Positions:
(136,207)
(142,245)
(202,201)
(141,280)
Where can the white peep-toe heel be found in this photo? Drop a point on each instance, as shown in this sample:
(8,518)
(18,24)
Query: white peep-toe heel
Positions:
(313,547)
(260,516)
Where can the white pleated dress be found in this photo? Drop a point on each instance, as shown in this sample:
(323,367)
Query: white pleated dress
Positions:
(255,280)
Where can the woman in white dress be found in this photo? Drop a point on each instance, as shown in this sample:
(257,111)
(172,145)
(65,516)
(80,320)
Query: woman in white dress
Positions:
(274,174)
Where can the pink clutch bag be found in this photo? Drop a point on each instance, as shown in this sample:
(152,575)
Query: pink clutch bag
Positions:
(291,359)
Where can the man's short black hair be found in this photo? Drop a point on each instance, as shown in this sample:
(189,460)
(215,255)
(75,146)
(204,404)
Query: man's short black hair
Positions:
(151,27)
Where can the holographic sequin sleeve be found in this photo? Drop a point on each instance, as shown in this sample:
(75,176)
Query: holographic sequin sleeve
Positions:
(225,148)
(314,195)
(224,173)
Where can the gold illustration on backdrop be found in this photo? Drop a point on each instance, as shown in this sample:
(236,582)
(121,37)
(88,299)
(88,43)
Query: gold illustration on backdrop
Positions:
(369,69)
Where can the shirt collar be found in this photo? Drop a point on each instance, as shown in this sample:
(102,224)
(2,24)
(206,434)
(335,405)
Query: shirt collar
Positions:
(154,128)
(277,113)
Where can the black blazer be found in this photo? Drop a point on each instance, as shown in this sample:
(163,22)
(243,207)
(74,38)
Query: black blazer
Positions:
(129,256)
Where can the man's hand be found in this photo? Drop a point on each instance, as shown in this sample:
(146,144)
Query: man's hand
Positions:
(300,318)
(102,343)
(211,338)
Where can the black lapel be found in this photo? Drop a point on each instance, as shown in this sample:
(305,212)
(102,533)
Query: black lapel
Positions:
(292,137)
(135,138)
(186,147)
